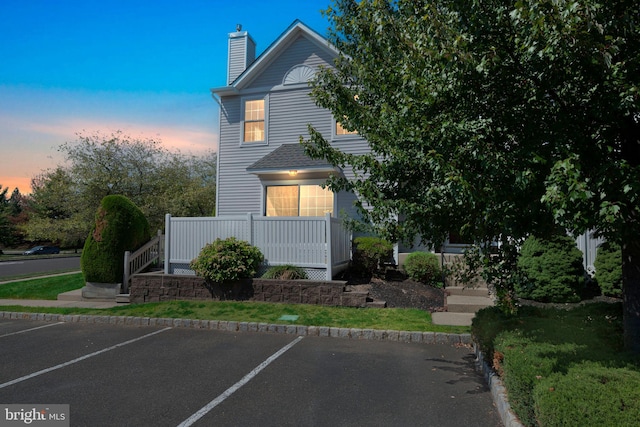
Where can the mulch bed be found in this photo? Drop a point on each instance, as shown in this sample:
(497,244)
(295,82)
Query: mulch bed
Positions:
(400,293)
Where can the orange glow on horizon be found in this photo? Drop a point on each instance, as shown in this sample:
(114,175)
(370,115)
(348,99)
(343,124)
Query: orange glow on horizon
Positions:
(22,183)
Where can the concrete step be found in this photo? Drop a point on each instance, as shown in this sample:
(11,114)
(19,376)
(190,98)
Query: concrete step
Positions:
(452,319)
(467,304)
(123,298)
(376,304)
(467,291)
(76,295)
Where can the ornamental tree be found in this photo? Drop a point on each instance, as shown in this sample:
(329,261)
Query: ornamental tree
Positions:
(491,119)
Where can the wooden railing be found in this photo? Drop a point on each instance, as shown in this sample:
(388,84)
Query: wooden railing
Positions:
(137,261)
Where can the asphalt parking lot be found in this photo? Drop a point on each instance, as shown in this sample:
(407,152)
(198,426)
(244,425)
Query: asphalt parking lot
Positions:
(117,375)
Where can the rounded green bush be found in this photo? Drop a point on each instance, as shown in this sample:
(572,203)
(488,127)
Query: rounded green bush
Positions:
(552,268)
(608,266)
(227,260)
(120,226)
(285,272)
(424,267)
(370,253)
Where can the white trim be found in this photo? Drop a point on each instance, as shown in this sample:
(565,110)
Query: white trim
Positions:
(298,28)
(243,101)
(287,182)
(298,74)
(336,137)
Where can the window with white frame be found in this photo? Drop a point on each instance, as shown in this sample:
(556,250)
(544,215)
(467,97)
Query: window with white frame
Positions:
(254,120)
(298,200)
(340,131)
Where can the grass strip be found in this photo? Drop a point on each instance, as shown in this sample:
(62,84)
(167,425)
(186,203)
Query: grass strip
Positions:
(48,288)
(261,312)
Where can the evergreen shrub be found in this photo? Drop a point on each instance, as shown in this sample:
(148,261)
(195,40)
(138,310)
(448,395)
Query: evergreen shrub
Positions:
(589,394)
(370,253)
(552,268)
(227,260)
(120,226)
(424,267)
(285,272)
(608,266)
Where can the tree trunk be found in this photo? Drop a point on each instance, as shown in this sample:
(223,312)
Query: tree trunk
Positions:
(631,293)
(630,138)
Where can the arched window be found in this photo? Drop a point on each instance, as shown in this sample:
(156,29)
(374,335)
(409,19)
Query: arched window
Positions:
(298,74)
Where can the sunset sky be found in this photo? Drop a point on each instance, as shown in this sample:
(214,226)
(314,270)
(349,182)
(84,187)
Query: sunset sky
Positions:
(143,67)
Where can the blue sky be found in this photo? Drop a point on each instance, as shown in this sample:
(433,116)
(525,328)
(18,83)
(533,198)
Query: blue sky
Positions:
(143,67)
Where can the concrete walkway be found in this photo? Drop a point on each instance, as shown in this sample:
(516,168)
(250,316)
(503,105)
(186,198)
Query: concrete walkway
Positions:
(68,299)
(462,304)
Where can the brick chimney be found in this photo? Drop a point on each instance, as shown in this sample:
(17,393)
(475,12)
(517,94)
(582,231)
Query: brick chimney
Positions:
(242,52)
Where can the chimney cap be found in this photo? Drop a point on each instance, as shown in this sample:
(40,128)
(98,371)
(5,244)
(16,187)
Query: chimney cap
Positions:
(238,27)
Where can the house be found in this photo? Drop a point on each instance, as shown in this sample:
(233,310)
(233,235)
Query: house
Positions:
(263,172)
(265,108)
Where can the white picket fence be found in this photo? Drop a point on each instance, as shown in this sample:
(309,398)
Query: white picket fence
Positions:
(320,245)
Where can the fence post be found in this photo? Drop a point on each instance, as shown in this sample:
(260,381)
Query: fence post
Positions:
(329,259)
(250,227)
(127,272)
(167,244)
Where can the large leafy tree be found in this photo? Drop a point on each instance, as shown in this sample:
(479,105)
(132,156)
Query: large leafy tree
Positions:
(158,181)
(495,119)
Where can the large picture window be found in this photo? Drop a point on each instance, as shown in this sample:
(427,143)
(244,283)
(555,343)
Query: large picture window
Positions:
(254,120)
(298,200)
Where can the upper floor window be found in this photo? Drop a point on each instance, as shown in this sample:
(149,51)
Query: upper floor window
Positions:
(254,120)
(342,131)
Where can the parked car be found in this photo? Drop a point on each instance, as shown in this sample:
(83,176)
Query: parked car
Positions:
(42,250)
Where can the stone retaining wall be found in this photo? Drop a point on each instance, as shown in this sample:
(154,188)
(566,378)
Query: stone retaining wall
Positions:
(155,287)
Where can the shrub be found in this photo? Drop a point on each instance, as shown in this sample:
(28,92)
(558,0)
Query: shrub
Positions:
(370,253)
(424,267)
(540,344)
(589,394)
(553,269)
(119,226)
(285,272)
(227,260)
(608,266)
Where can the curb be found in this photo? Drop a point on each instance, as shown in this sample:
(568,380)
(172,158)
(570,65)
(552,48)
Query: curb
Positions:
(231,326)
(498,391)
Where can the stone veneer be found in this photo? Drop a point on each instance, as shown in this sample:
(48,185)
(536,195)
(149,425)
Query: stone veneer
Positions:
(155,287)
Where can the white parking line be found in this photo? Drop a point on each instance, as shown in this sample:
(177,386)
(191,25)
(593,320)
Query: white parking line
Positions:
(32,329)
(218,400)
(71,362)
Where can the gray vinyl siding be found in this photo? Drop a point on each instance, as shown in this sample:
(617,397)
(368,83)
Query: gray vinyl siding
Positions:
(237,57)
(290,110)
(302,51)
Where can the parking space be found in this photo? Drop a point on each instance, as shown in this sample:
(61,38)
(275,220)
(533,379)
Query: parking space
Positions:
(138,376)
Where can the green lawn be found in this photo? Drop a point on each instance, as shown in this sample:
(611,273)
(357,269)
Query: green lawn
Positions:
(46,288)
